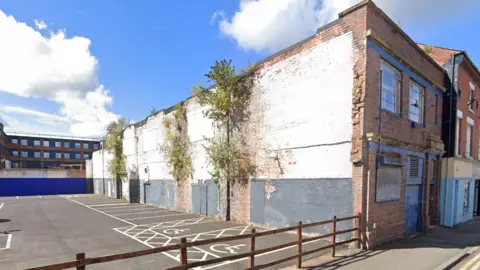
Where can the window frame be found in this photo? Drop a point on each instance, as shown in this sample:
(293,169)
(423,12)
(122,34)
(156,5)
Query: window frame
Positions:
(66,144)
(471,96)
(96,146)
(385,67)
(35,143)
(86,144)
(79,145)
(14,141)
(46,154)
(78,156)
(66,155)
(468,140)
(22,154)
(420,99)
(24,140)
(58,144)
(86,156)
(35,154)
(15,153)
(46,143)
(58,155)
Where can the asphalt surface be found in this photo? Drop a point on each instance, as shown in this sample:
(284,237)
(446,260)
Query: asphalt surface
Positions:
(38,231)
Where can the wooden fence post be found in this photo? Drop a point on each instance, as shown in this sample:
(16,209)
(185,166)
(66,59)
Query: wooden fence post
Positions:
(251,248)
(359,243)
(80,256)
(183,252)
(299,244)
(334,234)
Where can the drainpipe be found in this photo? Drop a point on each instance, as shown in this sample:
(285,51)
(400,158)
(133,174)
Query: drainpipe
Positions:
(452,86)
(377,165)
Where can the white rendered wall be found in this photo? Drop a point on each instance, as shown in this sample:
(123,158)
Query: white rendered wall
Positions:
(100,160)
(306,108)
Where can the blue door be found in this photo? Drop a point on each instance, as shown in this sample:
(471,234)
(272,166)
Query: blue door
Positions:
(413,196)
(413,208)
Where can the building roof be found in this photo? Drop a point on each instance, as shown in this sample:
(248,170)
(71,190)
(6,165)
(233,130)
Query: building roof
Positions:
(51,136)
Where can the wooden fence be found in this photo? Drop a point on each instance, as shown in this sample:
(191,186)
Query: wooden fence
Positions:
(81,262)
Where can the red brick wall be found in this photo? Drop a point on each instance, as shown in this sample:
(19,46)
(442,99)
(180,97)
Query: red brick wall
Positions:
(467,74)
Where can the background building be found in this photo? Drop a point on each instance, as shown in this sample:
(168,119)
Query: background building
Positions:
(3,148)
(460,185)
(38,151)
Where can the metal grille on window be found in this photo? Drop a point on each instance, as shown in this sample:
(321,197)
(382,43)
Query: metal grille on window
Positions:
(414,162)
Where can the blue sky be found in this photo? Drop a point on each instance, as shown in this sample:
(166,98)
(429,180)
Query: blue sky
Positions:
(150,53)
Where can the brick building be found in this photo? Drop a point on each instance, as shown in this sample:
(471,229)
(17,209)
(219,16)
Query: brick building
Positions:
(3,147)
(460,185)
(346,121)
(45,151)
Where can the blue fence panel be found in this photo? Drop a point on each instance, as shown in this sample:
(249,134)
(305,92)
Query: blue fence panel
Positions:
(42,186)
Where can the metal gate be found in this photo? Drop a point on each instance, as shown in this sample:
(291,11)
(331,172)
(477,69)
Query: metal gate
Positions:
(413,196)
(205,198)
(134,190)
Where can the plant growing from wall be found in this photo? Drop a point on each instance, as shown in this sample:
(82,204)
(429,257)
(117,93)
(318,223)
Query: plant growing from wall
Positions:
(114,144)
(226,104)
(177,144)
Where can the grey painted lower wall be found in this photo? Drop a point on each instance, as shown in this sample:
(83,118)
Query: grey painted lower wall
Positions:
(205,198)
(90,188)
(282,203)
(105,187)
(158,192)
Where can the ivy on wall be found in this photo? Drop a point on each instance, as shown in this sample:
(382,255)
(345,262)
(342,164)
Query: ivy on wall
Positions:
(114,144)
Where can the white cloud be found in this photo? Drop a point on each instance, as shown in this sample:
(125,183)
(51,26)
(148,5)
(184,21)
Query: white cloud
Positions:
(25,111)
(57,68)
(41,25)
(275,24)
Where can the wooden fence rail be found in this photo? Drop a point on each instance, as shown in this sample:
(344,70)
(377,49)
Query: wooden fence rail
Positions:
(81,262)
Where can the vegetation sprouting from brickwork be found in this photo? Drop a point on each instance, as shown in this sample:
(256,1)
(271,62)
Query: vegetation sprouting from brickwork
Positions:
(226,104)
(114,144)
(176,147)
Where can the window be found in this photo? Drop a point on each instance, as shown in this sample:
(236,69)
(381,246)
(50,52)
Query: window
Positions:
(77,156)
(14,141)
(46,155)
(416,111)
(46,143)
(468,142)
(77,145)
(36,142)
(85,145)
(390,86)
(457,136)
(66,144)
(24,142)
(66,155)
(389,183)
(95,146)
(58,155)
(466,197)
(85,156)
(24,154)
(15,153)
(15,165)
(471,96)
(36,154)
(58,144)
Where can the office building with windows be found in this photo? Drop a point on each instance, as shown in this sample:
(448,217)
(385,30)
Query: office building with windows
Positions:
(34,151)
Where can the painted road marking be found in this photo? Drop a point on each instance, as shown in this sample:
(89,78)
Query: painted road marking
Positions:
(108,204)
(471,262)
(128,209)
(98,211)
(128,206)
(157,216)
(220,248)
(140,213)
(9,241)
(175,231)
(1,205)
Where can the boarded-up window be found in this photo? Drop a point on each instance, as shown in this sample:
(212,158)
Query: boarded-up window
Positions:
(150,140)
(389,181)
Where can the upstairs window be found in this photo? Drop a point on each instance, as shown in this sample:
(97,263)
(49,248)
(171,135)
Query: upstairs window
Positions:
(14,141)
(77,145)
(46,143)
(417,97)
(66,144)
(24,154)
(95,146)
(471,97)
(58,144)
(66,155)
(85,145)
(390,86)
(77,155)
(24,142)
(36,142)
(58,155)
(36,154)
(46,155)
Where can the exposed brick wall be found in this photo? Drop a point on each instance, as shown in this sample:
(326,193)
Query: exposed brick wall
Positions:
(467,74)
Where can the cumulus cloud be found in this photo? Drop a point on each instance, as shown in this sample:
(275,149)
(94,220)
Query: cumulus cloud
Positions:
(57,68)
(272,25)
(41,25)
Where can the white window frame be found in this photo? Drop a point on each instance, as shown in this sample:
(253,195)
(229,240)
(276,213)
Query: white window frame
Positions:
(58,144)
(22,142)
(46,143)
(78,145)
(23,152)
(15,153)
(86,146)
(14,141)
(37,154)
(417,102)
(46,154)
(36,142)
(78,156)
(66,144)
(85,156)
(388,102)
(58,155)
(458,132)
(66,155)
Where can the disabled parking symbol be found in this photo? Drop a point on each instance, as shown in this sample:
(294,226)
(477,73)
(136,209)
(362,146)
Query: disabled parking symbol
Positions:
(175,231)
(226,248)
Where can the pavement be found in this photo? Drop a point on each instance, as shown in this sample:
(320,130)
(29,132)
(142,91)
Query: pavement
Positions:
(443,248)
(43,230)
(470,262)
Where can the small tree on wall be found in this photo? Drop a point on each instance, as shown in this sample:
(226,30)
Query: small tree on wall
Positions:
(226,104)
(114,144)
(177,144)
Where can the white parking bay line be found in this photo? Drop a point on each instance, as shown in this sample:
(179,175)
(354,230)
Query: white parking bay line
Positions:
(1,205)
(157,216)
(107,204)
(9,241)
(98,210)
(126,206)
(140,213)
(129,209)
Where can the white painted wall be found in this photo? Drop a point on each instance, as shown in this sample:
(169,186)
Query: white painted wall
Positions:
(306,106)
(130,151)
(100,160)
(150,139)
(200,129)
(32,173)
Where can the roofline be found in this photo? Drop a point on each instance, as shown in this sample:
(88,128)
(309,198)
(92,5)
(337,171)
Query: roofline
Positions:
(450,49)
(471,62)
(50,136)
(394,25)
